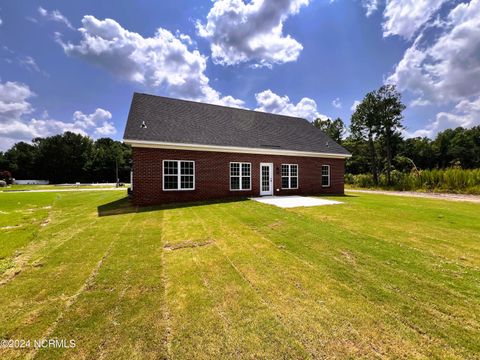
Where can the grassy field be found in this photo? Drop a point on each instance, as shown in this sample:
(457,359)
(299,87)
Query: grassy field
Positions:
(378,276)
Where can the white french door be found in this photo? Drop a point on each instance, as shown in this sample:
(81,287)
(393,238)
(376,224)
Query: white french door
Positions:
(266,179)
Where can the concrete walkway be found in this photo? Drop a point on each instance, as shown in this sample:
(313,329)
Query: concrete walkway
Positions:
(294,201)
(438,196)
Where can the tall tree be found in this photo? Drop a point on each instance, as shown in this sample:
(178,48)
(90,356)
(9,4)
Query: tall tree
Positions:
(107,155)
(65,158)
(389,108)
(365,126)
(335,129)
(22,161)
(419,151)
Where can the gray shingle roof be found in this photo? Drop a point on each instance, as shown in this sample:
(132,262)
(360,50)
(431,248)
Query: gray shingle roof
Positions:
(180,121)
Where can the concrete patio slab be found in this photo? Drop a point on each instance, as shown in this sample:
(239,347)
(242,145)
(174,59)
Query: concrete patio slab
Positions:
(294,201)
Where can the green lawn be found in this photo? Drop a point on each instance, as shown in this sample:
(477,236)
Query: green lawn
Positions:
(378,276)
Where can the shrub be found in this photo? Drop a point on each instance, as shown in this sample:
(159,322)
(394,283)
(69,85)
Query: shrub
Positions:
(449,180)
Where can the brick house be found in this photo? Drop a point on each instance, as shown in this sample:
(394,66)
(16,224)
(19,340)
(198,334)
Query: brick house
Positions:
(188,151)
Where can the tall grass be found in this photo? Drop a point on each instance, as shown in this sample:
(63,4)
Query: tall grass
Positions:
(442,180)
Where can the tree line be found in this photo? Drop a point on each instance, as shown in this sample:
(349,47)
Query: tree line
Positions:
(68,158)
(378,146)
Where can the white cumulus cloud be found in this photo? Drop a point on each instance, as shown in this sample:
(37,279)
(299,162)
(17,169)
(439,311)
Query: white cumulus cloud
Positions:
(270,102)
(163,61)
(242,32)
(465,114)
(406,17)
(448,69)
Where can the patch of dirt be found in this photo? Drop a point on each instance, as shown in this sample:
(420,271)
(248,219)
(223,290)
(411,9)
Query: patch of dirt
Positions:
(276,224)
(10,227)
(37,264)
(187,245)
(349,256)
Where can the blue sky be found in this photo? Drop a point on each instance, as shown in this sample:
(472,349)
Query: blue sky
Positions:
(74,65)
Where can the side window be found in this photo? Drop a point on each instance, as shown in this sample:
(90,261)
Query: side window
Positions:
(240,176)
(289,176)
(325,175)
(178,175)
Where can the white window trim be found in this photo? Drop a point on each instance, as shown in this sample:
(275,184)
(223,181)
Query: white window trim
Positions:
(179,174)
(325,186)
(289,177)
(240,175)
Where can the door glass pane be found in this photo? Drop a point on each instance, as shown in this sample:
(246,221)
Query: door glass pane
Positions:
(265,178)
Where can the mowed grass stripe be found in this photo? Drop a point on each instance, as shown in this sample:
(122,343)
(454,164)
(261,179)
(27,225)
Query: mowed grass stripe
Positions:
(317,311)
(124,305)
(434,222)
(34,299)
(413,289)
(214,312)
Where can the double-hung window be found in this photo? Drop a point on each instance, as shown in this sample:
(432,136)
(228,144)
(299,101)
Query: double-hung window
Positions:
(240,176)
(325,175)
(178,175)
(289,176)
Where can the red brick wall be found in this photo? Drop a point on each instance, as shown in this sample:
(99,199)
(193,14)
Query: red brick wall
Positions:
(212,175)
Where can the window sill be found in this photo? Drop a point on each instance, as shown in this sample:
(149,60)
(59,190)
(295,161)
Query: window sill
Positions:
(178,189)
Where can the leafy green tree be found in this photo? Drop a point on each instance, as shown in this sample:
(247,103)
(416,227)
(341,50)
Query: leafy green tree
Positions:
(109,154)
(22,161)
(420,151)
(359,162)
(377,120)
(365,126)
(464,148)
(389,108)
(65,158)
(335,129)
(4,163)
